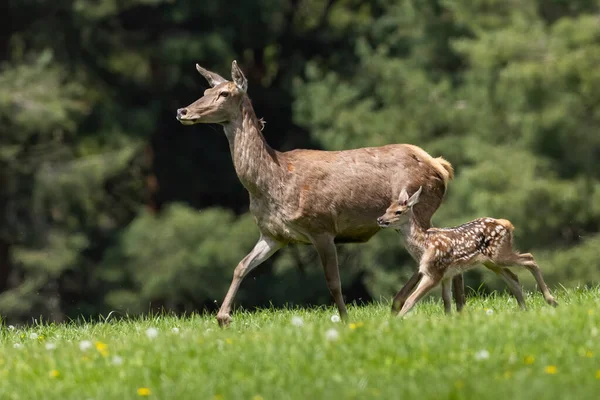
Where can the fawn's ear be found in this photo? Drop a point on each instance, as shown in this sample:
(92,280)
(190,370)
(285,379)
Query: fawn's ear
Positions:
(403,198)
(414,199)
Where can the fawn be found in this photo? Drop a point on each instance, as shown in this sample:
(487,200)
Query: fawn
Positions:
(445,252)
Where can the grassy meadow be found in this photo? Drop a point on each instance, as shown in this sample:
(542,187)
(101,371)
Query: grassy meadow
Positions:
(490,351)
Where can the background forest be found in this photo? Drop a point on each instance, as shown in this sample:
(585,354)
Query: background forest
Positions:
(108,203)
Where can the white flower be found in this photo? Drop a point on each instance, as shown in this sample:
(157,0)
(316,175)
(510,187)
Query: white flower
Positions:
(335,318)
(482,355)
(489,311)
(594,331)
(33,335)
(175,329)
(332,334)
(152,333)
(85,345)
(297,321)
(50,346)
(116,360)
(18,346)
(11,327)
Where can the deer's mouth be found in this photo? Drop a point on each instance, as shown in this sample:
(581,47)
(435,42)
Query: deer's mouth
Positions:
(383,224)
(187,121)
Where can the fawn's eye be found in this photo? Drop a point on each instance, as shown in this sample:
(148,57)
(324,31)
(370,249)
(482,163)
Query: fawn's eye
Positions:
(223,94)
(398,212)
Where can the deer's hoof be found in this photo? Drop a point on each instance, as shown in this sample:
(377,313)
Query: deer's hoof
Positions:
(224,320)
(552,302)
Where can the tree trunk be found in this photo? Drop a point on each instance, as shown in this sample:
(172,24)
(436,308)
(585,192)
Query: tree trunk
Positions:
(5,248)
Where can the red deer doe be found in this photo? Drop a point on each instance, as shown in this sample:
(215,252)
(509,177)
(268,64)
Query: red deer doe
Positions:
(446,252)
(311,196)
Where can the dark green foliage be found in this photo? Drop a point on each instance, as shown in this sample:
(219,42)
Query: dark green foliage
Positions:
(107,203)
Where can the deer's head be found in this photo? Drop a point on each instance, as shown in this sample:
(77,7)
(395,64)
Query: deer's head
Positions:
(399,212)
(220,103)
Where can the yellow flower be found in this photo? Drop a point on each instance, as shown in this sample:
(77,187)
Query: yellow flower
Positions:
(355,325)
(41,338)
(102,348)
(218,397)
(590,312)
(598,374)
(551,369)
(257,397)
(589,354)
(507,374)
(529,360)
(229,341)
(143,391)
(54,373)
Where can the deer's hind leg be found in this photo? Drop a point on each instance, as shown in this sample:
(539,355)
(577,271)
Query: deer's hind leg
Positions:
(526,260)
(507,257)
(458,290)
(325,247)
(447,296)
(511,280)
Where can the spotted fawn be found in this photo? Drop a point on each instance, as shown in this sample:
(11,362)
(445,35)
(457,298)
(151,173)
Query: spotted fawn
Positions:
(445,252)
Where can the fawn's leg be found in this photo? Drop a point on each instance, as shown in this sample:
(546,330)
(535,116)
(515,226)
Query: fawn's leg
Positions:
(447,296)
(513,285)
(458,290)
(264,248)
(526,260)
(328,254)
(403,294)
(425,285)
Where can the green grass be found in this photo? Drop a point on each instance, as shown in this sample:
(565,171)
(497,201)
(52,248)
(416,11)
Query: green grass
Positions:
(264,356)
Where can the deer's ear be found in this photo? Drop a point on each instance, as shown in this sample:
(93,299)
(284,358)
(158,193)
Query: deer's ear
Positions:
(238,77)
(403,198)
(212,78)
(414,199)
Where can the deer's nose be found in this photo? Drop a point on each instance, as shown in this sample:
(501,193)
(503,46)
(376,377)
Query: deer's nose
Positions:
(181,112)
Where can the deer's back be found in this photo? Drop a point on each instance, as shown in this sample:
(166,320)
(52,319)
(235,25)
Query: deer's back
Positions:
(343,192)
(470,243)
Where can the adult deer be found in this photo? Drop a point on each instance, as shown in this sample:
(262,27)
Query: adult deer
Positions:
(311,196)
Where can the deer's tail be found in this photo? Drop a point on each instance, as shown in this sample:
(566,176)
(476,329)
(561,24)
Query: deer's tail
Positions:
(444,168)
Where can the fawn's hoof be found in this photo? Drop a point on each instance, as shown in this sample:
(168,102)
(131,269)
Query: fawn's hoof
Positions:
(552,302)
(224,320)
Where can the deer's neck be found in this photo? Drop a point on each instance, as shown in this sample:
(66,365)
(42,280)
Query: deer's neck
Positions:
(255,162)
(414,233)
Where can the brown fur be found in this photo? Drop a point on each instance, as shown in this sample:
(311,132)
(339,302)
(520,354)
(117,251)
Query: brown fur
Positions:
(312,196)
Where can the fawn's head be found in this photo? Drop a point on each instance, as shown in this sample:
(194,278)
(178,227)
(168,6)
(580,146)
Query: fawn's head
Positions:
(400,211)
(220,103)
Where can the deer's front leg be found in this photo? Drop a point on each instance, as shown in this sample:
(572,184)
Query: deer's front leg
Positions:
(425,285)
(325,247)
(264,248)
(403,293)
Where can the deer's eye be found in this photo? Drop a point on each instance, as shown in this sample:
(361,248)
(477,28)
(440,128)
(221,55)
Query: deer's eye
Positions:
(398,212)
(223,94)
